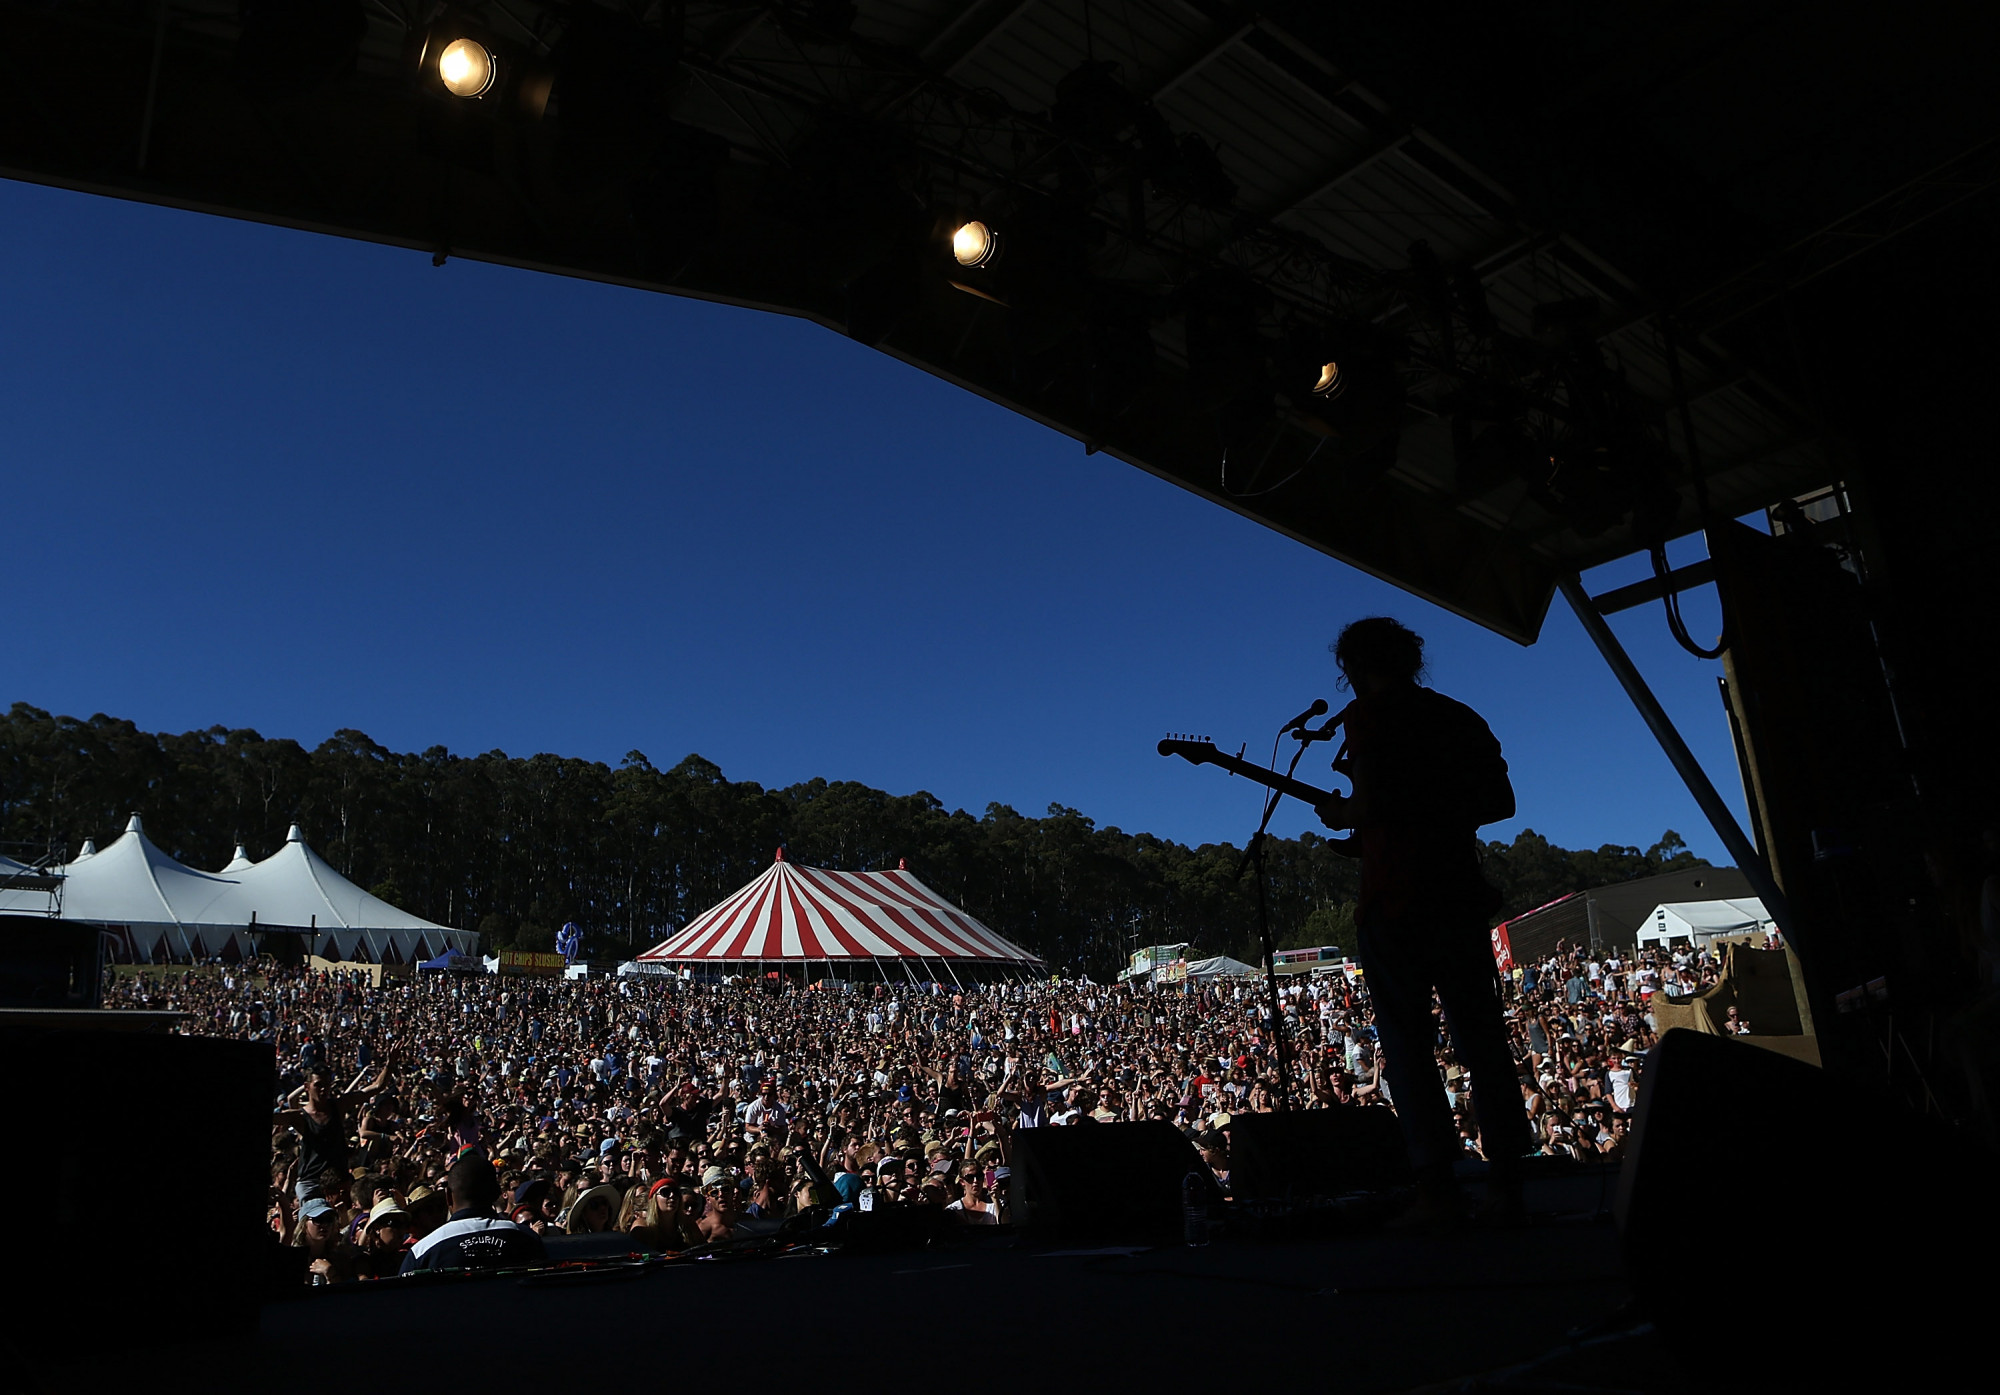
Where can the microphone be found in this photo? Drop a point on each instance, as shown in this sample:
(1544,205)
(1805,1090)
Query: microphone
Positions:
(1318,709)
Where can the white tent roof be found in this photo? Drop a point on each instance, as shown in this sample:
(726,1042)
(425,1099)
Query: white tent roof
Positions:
(1705,918)
(296,886)
(132,883)
(1221,966)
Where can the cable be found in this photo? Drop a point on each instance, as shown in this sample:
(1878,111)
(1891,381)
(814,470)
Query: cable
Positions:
(1273,488)
(1675,624)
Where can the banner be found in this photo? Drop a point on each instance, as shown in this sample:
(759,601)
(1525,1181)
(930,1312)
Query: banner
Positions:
(525,963)
(1503,952)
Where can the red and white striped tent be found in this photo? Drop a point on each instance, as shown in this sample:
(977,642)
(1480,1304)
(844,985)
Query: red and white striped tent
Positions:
(811,916)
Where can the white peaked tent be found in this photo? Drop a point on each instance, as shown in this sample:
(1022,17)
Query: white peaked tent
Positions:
(159,909)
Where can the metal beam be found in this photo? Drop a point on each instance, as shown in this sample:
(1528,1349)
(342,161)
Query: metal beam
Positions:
(987,36)
(1935,191)
(1200,61)
(1333,179)
(935,48)
(1653,587)
(1696,779)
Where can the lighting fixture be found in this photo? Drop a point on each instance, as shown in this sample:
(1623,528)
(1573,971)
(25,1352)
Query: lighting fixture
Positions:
(1329,383)
(466,68)
(974,244)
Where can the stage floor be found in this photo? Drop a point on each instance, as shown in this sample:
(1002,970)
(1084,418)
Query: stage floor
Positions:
(1373,1311)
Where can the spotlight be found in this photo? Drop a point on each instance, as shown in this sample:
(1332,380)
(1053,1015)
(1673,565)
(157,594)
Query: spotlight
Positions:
(1329,384)
(457,63)
(466,68)
(975,244)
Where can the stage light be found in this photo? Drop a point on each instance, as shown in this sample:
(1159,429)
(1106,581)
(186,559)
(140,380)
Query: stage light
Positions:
(466,68)
(1329,381)
(974,244)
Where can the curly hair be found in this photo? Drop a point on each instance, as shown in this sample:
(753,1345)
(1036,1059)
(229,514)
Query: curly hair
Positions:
(1381,645)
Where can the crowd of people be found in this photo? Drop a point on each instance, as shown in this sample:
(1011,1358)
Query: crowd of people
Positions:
(446,1119)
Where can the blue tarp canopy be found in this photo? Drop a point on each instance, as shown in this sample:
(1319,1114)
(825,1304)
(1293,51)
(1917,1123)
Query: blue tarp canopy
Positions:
(458,963)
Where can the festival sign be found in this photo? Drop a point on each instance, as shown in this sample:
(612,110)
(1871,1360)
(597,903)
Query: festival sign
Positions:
(524,963)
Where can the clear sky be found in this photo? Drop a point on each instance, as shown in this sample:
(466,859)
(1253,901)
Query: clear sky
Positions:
(275,480)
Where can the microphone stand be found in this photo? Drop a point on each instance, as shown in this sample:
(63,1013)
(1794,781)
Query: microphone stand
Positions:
(1253,852)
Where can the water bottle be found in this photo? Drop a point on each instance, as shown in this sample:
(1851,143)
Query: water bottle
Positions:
(1194,1208)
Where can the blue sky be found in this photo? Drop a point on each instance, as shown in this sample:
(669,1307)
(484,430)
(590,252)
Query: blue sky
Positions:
(269,479)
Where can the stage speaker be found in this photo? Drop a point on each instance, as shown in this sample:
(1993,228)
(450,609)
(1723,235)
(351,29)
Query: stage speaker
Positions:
(139,1163)
(1315,1153)
(1103,1181)
(1780,1217)
(47,963)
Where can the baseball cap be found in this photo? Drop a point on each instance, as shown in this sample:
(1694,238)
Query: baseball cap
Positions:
(314,1207)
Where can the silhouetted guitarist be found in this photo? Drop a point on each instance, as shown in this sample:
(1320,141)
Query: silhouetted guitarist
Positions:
(1427,772)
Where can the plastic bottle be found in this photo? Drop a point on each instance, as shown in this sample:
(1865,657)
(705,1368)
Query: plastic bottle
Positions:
(1194,1207)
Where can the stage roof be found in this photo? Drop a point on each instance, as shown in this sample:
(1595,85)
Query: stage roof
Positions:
(1510,226)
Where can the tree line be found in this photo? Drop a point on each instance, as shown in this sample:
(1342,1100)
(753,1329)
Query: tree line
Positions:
(514,846)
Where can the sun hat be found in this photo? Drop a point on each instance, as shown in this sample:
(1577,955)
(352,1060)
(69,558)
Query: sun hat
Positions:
(604,1192)
(388,1206)
(714,1176)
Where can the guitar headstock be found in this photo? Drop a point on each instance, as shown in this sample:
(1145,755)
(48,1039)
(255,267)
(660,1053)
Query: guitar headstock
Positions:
(1199,749)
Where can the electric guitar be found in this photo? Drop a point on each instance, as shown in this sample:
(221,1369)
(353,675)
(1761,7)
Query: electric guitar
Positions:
(1204,752)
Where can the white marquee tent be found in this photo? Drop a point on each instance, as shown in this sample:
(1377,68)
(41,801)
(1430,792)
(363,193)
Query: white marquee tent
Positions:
(159,909)
(1698,922)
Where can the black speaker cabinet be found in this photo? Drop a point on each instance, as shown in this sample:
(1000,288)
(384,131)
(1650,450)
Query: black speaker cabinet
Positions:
(1103,1181)
(140,1165)
(1315,1153)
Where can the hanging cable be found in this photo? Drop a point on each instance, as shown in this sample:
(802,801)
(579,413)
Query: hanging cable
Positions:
(1261,462)
(1676,626)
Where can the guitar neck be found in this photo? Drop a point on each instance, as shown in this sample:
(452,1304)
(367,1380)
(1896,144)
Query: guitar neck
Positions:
(1205,753)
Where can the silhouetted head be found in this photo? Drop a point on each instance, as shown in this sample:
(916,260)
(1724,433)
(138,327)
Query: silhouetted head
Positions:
(1378,648)
(472,1182)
